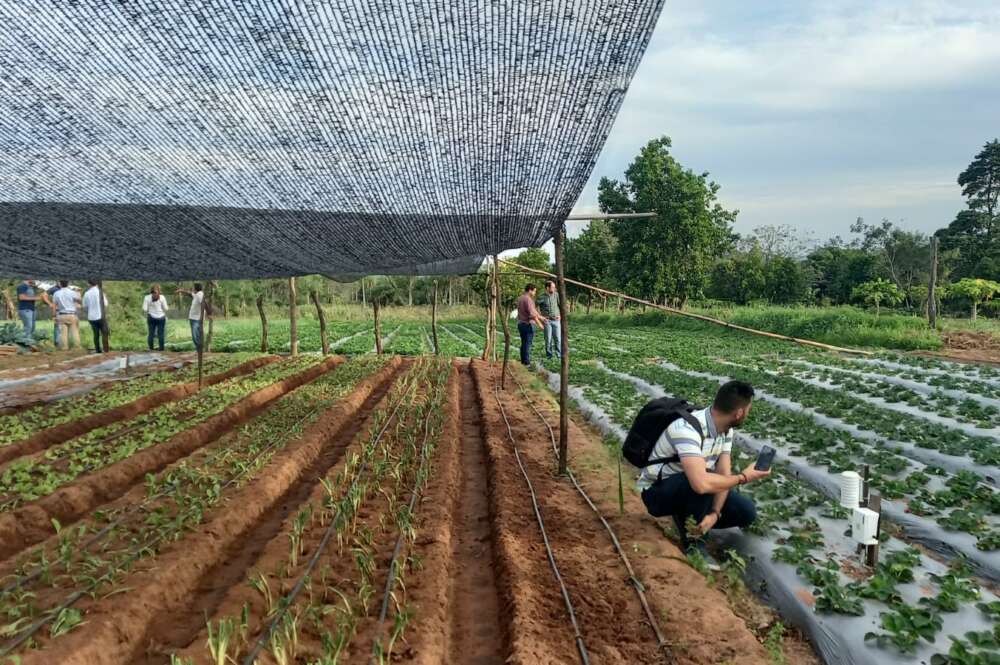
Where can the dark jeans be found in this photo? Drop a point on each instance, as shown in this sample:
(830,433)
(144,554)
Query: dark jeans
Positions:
(527,333)
(157,328)
(195,332)
(95,327)
(673,496)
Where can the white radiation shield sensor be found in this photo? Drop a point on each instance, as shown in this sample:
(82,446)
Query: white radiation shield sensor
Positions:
(850,489)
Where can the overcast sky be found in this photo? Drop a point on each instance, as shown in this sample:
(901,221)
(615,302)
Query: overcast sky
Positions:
(815,113)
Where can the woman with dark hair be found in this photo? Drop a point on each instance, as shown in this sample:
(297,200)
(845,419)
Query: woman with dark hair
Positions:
(155,306)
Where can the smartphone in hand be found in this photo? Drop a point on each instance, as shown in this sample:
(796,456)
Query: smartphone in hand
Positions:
(765,458)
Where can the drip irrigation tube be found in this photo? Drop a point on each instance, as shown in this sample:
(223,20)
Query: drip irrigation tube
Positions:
(287,601)
(661,641)
(390,582)
(578,637)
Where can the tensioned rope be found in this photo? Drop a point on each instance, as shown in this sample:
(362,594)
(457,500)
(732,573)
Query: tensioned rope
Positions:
(164,139)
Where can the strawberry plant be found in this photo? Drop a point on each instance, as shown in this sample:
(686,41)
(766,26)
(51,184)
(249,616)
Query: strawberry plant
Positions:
(905,626)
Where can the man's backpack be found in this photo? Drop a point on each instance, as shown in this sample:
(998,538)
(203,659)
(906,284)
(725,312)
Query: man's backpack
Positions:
(652,420)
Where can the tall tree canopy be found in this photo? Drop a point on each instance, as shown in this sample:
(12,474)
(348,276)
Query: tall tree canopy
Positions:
(975,231)
(668,256)
(590,256)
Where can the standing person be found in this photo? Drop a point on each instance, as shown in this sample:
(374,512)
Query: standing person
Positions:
(548,304)
(52,308)
(194,314)
(691,474)
(67,302)
(155,306)
(26,299)
(527,314)
(92,302)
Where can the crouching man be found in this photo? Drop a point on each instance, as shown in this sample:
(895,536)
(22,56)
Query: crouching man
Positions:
(689,472)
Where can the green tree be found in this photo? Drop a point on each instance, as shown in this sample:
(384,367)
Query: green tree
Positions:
(902,256)
(975,290)
(837,269)
(878,292)
(670,255)
(589,256)
(739,277)
(787,281)
(975,231)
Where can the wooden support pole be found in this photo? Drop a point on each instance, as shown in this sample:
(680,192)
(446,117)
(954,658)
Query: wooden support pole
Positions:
(322,322)
(496,306)
(564,353)
(209,313)
(692,315)
(434,318)
(871,551)
(932,286)
(506,344)
(201,337)
(378,327)
(105,328)
(489,312)
(293,314)
(263,324)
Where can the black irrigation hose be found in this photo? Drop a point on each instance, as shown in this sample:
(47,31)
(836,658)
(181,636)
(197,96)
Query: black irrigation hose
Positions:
(287,601)
(662,642)
(390,581)
(581,647)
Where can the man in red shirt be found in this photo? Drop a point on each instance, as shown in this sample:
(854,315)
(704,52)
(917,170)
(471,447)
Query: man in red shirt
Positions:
(527,314)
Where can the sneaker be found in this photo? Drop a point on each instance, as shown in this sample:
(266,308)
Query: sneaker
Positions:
(698,550)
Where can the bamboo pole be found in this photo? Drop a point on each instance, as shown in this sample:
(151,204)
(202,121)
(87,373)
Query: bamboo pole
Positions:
(434,319)
(692,315)
(322,322)
(489,312)
(209,291)
(378,327)
(293,314)
(506,344)
(564,352)
(496,306)
(105,329)
(932,287)
(201,337)
(263,324)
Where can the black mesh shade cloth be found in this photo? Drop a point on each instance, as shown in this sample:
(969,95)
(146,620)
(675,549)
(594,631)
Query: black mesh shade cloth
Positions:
(225,139)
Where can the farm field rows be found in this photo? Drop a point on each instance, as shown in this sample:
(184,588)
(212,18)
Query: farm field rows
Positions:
(926,428)
(327,510)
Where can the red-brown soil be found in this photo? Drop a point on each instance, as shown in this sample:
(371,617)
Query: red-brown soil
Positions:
(33,522)
(483,593)
(60,433)
(121,626)
(969,346)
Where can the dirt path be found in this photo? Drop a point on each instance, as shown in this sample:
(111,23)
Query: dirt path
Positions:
(698,619)
(476,635)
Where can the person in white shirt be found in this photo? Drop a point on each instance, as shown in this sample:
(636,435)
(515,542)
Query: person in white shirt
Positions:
(92,303)
(194,314)
(66,301)
(155,306)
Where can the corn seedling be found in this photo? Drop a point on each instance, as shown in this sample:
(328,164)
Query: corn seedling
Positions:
(260,583)
(219,641)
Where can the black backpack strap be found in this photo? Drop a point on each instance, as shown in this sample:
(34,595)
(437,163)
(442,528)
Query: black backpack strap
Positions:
(675,459)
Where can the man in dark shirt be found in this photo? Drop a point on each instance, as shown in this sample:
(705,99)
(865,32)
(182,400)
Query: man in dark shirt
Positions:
(527,314)
(26,299)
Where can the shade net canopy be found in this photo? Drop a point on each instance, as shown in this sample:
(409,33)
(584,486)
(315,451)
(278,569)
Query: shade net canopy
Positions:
(224,139)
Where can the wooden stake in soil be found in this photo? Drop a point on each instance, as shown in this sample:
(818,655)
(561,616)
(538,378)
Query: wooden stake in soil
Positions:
(564,353)
(322,323)
(932,286)
(506,345)
(209,291)
(293,314)
(496,306)
(871,551)
(489,312)
(263,324)
(434,318)
(105,329)
(201,338)
(378,328)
